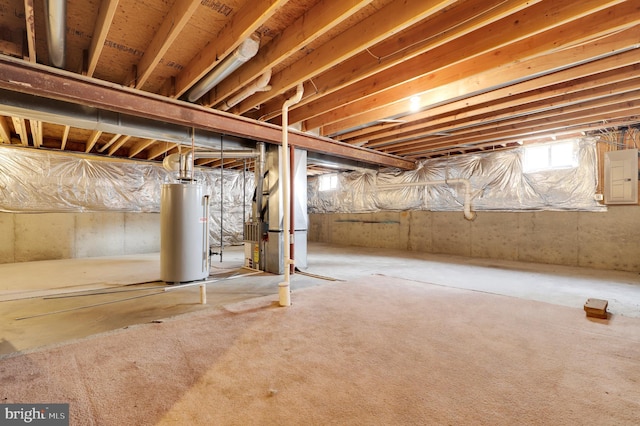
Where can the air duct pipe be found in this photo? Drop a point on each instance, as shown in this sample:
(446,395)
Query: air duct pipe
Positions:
(242,54)
(468,214)
(56,26)
(283,288)
(260,85)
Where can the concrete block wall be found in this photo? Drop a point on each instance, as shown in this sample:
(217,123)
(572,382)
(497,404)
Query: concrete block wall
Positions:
(46,236)
(608,240)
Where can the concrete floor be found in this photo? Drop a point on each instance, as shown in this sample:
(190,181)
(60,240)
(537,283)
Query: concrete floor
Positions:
(50,302)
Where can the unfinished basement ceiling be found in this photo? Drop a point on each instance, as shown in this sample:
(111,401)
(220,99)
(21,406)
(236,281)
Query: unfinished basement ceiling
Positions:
(385,82)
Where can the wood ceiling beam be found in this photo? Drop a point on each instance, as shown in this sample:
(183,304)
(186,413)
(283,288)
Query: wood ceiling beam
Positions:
(173,24)
(322,17)
(30,22)
(203,161)
(385,22)
(110,142)
(10,48)
(490,79)
(461,18)
(576,132)
(65,137)
(36,132)
(95,135)
(549,136)
(160,148)
(20,126)
(101,30)
(534,102)
(615,107)
(5,130)
(603,71)
(606,104)
(215,162)
(466,57)
(140,146)
(244,23)
(50,83)
(116,146)
(550,123)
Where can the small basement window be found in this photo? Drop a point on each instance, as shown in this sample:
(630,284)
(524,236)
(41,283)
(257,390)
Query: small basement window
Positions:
(328,182)
(552,156)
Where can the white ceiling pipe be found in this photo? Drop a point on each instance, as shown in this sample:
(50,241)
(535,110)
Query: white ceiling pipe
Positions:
(468,214)
(260,85)
(56,26)
(284,295)
(227,154)
(242,54)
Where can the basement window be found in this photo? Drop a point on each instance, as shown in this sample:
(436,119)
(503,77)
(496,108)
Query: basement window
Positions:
(328,182)
(552,156)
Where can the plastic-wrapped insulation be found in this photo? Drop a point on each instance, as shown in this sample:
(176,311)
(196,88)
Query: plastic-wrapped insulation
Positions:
(498,182)
(48,181)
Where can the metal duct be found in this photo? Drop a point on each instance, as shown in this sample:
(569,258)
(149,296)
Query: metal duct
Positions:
(67,114)
(242,54)
(56,27)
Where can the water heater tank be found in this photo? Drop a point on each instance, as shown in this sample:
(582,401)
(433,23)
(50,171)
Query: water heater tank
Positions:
(184,233)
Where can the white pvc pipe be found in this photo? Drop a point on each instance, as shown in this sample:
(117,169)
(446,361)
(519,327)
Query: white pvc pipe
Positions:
(284,293)
(260,85)
(468,214)
(203,294)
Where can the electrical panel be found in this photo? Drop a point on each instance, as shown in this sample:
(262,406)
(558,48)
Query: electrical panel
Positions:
(621,177)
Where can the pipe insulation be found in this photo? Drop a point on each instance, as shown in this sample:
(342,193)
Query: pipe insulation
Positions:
(284,293)
(56,28)
(468,214)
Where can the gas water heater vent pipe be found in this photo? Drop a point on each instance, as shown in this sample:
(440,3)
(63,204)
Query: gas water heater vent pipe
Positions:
(284,294)
(468,214)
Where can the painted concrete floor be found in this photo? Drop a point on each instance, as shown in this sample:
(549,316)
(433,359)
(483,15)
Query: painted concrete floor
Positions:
(50,302)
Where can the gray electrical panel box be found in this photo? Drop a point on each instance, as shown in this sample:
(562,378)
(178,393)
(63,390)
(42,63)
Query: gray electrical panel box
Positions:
(621,177)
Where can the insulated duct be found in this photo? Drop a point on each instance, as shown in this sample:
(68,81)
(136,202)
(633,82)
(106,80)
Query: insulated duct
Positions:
(242,54)
(56,27)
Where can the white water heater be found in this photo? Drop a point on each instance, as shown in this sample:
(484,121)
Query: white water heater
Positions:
(184,233)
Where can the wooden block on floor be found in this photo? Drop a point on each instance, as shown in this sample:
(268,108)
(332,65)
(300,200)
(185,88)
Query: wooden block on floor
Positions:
(596,308)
